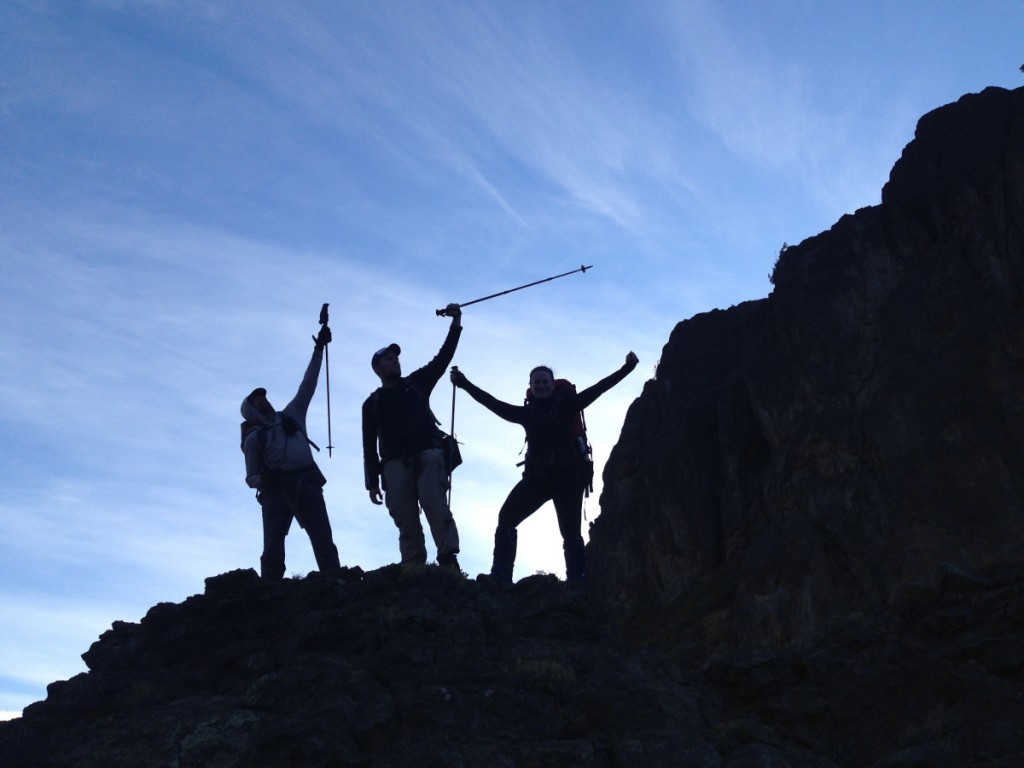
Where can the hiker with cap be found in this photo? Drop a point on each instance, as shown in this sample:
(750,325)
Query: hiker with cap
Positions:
(280,466)
(554,466)
(402,454)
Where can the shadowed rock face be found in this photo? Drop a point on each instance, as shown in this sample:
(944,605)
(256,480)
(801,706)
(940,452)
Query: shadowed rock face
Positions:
(394,668)
(808,556)
(799,458)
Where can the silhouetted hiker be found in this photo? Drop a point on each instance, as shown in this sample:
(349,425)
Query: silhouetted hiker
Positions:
(280,466)
(398,422)
(554,465)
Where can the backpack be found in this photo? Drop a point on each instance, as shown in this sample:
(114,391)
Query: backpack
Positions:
(578,430)
(291,426)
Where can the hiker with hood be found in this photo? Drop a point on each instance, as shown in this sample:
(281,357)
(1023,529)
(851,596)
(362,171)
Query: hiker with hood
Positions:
(554,468)
(402,451)
(280,466)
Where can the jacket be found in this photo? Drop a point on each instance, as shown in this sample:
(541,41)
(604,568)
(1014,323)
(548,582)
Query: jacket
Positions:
(397,420)
(548,421)
(272,447)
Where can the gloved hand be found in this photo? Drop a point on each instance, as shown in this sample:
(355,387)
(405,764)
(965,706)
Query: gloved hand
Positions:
(458,377)
(323,338)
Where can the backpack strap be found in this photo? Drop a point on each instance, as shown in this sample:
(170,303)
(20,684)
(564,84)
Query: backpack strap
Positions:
(290,426)
(425,401)
(376,413)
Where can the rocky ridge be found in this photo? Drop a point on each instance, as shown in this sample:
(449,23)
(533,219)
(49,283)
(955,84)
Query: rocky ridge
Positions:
(395,667)
(401,667)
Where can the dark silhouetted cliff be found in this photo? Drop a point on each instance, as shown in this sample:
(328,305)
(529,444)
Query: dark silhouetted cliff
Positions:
(860,431)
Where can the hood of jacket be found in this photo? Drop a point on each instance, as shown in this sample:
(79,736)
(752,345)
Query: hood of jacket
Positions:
(252,414)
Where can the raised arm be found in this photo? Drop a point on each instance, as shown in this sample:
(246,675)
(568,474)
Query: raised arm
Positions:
(300,403)
(506,411)
(427,377)
(587,396)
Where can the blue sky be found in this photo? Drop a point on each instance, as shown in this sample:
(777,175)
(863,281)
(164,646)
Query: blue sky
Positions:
(183,184)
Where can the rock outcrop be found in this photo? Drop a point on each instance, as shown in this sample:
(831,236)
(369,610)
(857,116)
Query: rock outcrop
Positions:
(809,552)
(804,458)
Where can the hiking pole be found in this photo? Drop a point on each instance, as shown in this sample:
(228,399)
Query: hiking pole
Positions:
(444,312)
(452,433)
(327,368)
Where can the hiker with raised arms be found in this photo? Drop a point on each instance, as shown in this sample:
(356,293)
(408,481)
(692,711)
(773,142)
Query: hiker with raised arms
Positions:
(280,466)
(402,452)
(554,468)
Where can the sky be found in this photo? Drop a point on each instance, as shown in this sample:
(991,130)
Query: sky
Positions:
(184,183)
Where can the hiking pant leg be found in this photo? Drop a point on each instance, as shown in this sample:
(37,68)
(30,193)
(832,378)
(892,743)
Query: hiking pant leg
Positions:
(568,501)
(575,559)
(432,488)
(318,527)
(567,496)
(525,498)
(505,543)
(403,506)
(277,519)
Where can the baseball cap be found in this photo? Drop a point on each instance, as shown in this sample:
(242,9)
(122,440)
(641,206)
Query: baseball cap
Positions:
(383,351)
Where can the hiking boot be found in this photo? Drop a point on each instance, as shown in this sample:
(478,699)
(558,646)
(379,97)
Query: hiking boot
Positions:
(449,561)
(501,572)
(575,559)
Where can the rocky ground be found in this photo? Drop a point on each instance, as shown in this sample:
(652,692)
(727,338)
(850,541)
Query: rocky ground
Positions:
(393,667)
(423,667)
